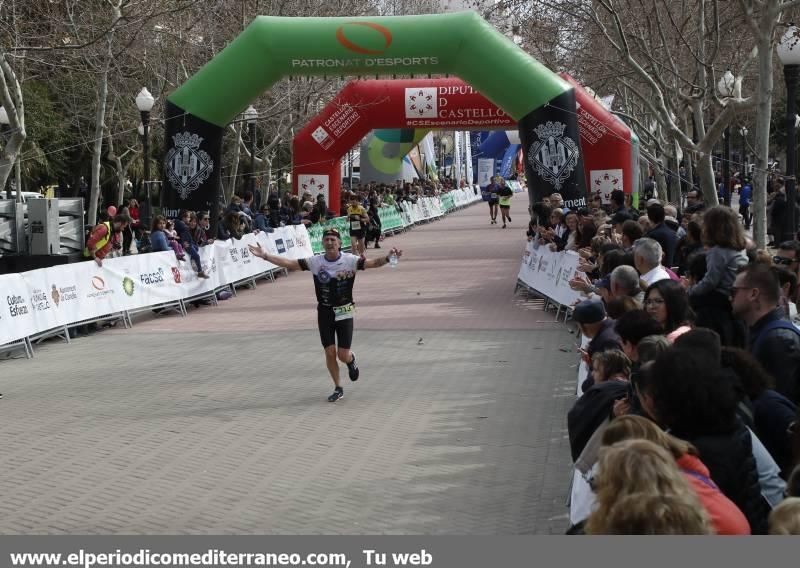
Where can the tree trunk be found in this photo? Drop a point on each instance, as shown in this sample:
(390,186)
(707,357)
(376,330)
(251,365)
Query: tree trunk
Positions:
(12,100)
(97,146)
(661,180)
(705,169)
(18,179)
(9,158)
(100,118)
(120,171)
(761,140)
(674,189)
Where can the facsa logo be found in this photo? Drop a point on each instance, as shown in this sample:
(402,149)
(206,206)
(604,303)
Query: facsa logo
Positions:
(98,283)
(421,103)
(352,46)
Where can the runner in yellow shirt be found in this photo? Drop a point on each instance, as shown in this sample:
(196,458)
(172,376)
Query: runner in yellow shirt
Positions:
(505,193)
(358,219)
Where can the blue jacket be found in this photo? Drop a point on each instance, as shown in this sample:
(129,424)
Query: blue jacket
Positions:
(745,194)
(184,234)
(158,240)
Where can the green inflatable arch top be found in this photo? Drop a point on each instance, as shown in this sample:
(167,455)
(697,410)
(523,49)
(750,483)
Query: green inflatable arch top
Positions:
(461,44)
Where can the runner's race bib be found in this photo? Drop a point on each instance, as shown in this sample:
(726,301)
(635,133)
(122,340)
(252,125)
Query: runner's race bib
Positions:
(345,312)
(355,225)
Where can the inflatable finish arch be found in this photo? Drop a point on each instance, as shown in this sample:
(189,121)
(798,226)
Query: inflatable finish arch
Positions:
(462,44)
(403,104)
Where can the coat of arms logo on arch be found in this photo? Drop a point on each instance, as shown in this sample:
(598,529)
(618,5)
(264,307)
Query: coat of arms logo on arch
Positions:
(554,155)
(186,165)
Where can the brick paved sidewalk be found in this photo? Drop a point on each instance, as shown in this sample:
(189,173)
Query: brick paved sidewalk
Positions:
(217,423)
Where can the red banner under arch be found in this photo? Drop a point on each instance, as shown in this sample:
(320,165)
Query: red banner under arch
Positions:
(445,103)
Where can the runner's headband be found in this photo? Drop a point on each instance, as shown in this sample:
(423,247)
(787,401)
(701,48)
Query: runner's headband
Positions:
(331,233)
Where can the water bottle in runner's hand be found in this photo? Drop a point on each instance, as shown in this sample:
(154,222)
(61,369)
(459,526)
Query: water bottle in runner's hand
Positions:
(393,260)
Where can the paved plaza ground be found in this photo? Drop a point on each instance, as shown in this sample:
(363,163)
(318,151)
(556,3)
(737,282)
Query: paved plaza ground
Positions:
(218,422)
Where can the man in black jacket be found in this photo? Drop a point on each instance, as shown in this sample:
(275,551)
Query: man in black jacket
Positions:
(774,342)
(660,232)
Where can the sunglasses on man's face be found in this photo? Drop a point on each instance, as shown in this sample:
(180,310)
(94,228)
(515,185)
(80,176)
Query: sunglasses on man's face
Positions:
(782,260)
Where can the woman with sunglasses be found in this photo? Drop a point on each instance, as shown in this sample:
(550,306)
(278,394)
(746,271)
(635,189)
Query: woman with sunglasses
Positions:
(724,239)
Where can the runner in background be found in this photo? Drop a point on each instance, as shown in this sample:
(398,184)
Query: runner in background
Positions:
(504,194)
(359,220)
(494,199)
(334,275)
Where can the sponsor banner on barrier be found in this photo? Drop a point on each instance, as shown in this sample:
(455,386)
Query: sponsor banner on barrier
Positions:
(549,273)
(17,317)
(236,262)
(390,219)
(448,201)
(54,295)
(425,212)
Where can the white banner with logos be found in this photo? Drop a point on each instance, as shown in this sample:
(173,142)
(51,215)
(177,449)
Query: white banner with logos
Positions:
(17,317)
(457,157)
(549,272)
(44,299)
(465,196)
(485,171)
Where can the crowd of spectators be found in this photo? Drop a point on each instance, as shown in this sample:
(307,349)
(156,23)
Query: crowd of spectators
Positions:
(687,420)
(119,232)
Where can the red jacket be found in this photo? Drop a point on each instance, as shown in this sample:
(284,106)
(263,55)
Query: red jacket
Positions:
(726,518)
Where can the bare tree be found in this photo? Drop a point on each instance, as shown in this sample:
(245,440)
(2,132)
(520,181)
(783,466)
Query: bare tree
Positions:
(763,17)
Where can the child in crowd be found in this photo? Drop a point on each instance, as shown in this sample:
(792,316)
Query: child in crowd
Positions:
(172,239)
(160,241)
(724,239)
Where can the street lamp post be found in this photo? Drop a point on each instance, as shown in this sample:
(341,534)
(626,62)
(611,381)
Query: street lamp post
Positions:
(725,88)
(144,102)
(744,132)
(4,128)
(789,54)
(251,116)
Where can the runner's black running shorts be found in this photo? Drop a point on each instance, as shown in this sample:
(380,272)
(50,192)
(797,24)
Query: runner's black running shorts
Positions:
(332,332)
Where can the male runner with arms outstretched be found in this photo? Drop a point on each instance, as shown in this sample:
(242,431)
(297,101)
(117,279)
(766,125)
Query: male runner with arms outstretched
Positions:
(334,274)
